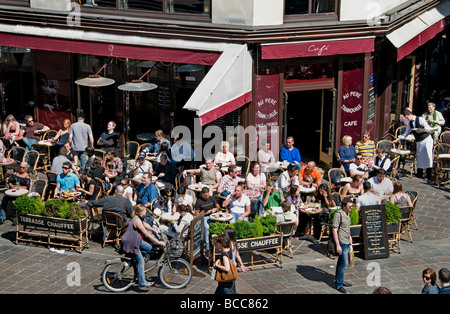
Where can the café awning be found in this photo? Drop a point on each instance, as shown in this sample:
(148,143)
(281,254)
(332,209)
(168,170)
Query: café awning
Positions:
(110,45)
(226,87)
(420,30)
(317,48)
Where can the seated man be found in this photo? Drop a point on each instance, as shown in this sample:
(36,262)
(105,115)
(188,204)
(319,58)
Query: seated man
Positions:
(381,161)
(115,203)
(67,180)
(309,175)
(366,147)
(291,153)
(32,131)
(287,215)
(358,167)
(229,182)
(239,204)
(380,184)
(288,178)
(209,175)
(272,196)
(166,173)
(146,192)
(368,198)
(58,161)
(207,204)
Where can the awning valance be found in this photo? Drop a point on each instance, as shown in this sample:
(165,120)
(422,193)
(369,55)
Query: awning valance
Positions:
(317,48)
(420,30)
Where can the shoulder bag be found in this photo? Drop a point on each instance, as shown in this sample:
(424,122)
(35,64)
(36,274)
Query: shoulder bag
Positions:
(231,275)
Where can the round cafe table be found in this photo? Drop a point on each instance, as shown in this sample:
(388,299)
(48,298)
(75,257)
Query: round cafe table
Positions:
(5,162)
(168,217)
(252,194)
(16,192)
(221,217)
(311,210)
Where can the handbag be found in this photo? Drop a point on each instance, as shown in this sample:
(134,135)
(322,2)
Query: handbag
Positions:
(231,275)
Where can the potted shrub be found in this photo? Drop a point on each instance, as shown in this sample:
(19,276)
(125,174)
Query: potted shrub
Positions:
(355,220)
(393,217)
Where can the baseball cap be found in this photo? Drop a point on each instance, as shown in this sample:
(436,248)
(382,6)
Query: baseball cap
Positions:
(142,154)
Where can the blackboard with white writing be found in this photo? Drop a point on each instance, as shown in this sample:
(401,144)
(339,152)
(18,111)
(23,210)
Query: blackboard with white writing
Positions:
(374,228)
(164,97)
(196,237)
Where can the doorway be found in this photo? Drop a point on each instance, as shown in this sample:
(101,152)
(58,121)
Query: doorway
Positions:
(309,118)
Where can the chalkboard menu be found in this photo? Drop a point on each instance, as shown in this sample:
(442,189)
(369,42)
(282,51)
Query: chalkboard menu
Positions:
(376,242)
(164,97)
(196,237)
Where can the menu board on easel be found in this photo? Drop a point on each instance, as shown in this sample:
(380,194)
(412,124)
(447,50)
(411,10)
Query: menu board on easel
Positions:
(374,228)
(196,237)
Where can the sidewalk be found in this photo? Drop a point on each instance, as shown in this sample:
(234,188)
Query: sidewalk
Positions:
(36,269)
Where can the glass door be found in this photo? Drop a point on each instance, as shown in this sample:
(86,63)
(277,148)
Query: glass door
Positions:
(327,128)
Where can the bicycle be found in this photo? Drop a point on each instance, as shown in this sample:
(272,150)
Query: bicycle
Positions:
(174,272)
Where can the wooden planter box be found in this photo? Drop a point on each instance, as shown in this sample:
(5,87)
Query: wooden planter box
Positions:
(265,245)
(52,231)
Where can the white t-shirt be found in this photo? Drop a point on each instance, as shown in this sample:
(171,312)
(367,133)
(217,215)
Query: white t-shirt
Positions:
(381,188)
(256,181)
(238,207)
(188,200)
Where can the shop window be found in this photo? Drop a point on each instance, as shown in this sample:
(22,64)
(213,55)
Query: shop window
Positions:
(304,72)
(15,56)
(90,64)
(294,7)
(165,6)
(189,72)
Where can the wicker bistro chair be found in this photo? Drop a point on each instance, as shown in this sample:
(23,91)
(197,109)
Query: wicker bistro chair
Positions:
(39,186)
(115,225)
(387,146)
(287,229)
(18,154)
(334,177)
(445,137)
(414,196)
(405,222)
(44,156)
(442,169)
(244,163)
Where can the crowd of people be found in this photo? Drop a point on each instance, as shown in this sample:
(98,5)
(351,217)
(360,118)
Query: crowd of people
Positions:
(142,187)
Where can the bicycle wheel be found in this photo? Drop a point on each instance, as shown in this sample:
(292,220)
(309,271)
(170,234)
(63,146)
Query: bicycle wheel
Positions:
(175,274)
(118,277)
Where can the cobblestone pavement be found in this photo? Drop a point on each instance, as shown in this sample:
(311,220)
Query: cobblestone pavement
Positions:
(34,269)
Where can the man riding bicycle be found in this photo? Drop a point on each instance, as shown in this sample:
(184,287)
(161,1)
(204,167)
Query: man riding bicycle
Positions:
(133,242)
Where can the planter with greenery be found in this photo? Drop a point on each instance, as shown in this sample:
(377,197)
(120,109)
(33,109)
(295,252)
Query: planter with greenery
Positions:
(54,222)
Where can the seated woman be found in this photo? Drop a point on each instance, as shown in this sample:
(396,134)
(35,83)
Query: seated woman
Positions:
(256,180)
(63,134)
(347,153)
(173,229)
(88,185)
(323,196)
(73,158)
(164,149)
(353,189)
(293,196)
(10,126)
(225,157)
(98,171)
(287,215)
(18,180)
(399,197)
(182,199)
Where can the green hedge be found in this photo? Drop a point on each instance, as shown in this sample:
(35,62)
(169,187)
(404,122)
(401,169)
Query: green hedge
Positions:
(51,208)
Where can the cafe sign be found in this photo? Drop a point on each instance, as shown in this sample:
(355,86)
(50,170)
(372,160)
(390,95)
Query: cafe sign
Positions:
(262,243)
(52,223)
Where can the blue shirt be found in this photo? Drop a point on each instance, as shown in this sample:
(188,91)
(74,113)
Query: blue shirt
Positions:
(290,155)
(347,153)
(67,182)
(148,194)
(445,290)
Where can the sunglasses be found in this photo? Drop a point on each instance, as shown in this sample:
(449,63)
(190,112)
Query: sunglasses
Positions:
(66,167)
(426,277)
(30,121)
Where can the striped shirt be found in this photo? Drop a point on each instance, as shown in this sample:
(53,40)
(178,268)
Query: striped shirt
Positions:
(367,150)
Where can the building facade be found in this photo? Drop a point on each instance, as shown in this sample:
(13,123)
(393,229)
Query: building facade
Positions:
(312,69)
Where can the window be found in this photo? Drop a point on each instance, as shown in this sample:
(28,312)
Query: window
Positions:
(293,7)
(165,6)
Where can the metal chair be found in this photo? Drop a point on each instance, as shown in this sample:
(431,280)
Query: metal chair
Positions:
(287,230)
(132,150)
(115,225)
(100,153)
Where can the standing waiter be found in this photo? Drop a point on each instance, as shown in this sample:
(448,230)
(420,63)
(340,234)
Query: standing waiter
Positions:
(419,127)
